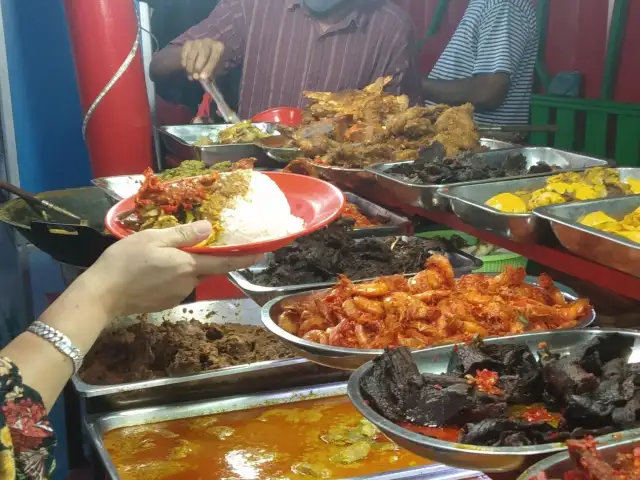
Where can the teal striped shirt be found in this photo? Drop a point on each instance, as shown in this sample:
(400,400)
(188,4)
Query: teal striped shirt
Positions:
(495,36)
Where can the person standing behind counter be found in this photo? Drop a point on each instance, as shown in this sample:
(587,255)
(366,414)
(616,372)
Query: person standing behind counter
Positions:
(489,62)
(288,46)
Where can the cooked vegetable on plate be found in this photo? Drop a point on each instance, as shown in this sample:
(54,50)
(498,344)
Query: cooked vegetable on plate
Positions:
(430,308)
(592,184)
(243,205)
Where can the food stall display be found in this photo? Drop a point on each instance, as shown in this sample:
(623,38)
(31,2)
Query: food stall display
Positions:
(471,370)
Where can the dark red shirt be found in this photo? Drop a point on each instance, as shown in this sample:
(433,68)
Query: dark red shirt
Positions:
(283,51)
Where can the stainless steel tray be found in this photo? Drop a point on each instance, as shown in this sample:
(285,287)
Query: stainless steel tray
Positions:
(98,426)
(486,459)
(253,377)
(395,224)
(427,196)
(606,248)
(341,357)
(468,203)
(363,180)
(557,465)
(119,187)
(188,135)
(493,144)
(462,262)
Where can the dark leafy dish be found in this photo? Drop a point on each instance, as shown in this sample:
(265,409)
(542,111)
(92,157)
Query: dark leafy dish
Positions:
(502,395)
(328,253)
(434,167)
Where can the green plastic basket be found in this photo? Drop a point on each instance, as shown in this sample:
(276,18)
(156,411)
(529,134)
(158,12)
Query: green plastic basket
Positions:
(491,263)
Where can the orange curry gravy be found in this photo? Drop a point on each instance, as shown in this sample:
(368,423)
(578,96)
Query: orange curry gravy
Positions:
(325,438)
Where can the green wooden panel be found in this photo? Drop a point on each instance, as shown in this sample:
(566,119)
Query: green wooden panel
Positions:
(539,116)
(595,135)
(627,141)
(566,134)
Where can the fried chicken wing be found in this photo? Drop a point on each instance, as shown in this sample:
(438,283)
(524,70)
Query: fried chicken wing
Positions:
(431,308)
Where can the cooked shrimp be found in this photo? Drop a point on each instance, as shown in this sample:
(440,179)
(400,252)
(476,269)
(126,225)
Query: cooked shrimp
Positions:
(317,336)
(288,321)
(311,321)
(368,305)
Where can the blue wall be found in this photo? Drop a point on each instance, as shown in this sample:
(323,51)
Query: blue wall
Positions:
(44,93)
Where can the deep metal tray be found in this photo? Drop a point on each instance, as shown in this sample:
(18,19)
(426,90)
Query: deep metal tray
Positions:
(364,181)
(341,357)
(462,262)
(268,375)
(188,135)
(98,426)
(427,196)
(557,465)
(468,203)
(486,459)
(395,224)
(606,248)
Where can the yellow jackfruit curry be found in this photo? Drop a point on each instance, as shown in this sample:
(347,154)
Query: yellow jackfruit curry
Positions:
(594,183)
(628,227)
(313,439)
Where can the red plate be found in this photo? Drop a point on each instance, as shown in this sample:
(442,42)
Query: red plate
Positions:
(317,202)
(290,116)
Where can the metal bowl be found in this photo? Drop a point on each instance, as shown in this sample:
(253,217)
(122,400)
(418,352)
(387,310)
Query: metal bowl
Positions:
(341,357)
(557,465)
(486,459)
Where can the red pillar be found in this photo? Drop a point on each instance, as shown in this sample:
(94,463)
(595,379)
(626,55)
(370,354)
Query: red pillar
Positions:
(119,135)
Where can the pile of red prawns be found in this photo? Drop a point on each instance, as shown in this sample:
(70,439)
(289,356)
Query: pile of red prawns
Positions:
(431,308)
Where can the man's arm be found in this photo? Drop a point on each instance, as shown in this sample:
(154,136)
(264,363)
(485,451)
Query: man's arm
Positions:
(200,49)
(502,41)
(485,92)
(403,64)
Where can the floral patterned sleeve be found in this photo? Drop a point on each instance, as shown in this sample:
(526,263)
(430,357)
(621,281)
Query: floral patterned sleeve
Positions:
(27,440)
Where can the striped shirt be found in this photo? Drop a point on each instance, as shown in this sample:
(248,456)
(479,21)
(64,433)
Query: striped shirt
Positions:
(495,36)
(283,51)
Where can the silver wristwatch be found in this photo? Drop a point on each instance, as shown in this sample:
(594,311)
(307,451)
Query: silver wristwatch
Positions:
(59,340)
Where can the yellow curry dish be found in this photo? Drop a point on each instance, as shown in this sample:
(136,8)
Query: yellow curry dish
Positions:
(628,227)
(592,184)
(311,439)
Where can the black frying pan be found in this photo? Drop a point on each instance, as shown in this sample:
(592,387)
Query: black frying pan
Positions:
(73,244)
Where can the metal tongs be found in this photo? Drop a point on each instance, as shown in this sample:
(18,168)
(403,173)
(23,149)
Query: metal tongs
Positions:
(212,89)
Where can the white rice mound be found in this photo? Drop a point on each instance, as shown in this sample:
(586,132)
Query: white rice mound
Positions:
(263,214)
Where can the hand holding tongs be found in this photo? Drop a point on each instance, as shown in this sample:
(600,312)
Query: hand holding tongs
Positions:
(212,89)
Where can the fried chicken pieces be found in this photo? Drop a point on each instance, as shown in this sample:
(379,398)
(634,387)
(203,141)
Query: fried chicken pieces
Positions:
(356,128)
(430,308)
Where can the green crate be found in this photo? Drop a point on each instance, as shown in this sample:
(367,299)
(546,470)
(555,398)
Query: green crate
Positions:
(491,263)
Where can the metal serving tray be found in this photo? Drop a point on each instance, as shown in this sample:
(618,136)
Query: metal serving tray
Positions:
(468,203)
(119,187)
(557,465)
(486,459)
(268,375)
(606,248)
(188,135)
(341,357)
(364,181)
(462,262)
(395,224)
(98,426)
(427,196)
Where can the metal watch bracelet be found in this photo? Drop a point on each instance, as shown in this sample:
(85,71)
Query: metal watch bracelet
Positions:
(60,342)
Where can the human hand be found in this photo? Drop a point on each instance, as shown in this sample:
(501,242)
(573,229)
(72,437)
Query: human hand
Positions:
(200,57)
(147,272)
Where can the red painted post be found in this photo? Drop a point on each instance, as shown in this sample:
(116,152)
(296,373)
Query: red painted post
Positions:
(119,135)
